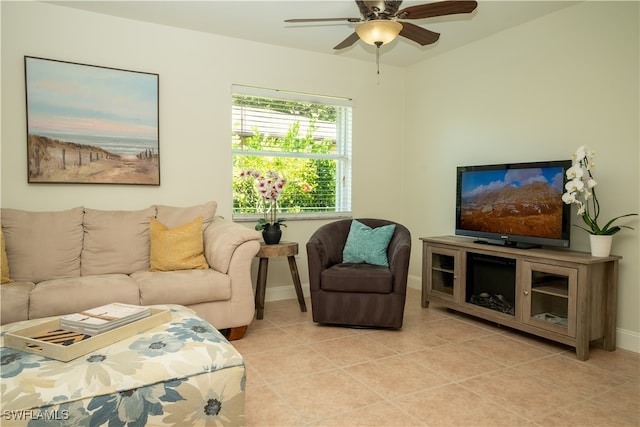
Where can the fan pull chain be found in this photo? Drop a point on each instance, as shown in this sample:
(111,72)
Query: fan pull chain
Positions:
(378,44)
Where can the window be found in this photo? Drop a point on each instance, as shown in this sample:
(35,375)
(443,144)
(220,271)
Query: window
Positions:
(305,138)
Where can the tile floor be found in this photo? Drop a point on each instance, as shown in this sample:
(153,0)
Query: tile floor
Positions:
(440,369)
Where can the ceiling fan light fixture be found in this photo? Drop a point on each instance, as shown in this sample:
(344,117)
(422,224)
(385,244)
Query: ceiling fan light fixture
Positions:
(379,31)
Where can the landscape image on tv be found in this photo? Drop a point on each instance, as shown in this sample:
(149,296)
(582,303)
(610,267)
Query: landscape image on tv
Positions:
(525,202)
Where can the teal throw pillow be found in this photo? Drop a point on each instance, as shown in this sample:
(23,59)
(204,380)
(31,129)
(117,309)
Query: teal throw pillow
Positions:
(367,245)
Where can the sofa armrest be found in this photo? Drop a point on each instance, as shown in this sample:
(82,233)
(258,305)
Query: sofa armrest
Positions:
(222,238)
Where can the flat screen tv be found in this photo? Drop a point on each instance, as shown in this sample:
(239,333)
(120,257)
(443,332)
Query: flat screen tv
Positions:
(514,204)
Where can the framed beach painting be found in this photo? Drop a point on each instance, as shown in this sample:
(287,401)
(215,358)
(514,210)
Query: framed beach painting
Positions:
(88,124)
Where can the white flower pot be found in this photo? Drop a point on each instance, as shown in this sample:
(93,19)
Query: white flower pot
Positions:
(600,245)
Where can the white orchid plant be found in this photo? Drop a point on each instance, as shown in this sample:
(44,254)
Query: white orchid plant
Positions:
(269,185)
(581,191)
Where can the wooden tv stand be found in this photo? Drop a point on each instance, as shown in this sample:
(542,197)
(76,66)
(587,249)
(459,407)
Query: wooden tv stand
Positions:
(562,295)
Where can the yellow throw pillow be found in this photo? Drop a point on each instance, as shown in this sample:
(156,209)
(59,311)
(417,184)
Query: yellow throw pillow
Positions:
(5,262)
(179,248)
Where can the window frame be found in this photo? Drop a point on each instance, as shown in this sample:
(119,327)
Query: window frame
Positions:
(342,156)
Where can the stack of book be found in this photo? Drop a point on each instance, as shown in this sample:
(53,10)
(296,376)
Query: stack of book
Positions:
(104,318)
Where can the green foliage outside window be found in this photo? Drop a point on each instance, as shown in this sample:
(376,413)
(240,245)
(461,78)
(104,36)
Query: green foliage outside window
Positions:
(310,181)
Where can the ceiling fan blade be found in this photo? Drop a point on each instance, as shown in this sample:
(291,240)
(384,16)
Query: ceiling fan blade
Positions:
(442,8)
(419,35)
(348,41)
(322,20)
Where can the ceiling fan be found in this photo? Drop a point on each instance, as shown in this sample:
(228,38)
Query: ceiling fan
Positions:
(382,21)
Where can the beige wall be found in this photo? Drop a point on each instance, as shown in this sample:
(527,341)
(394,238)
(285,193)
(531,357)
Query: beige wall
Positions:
(196,73)
(535,92)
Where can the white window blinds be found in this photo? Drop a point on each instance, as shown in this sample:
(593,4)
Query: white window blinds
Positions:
(306,138)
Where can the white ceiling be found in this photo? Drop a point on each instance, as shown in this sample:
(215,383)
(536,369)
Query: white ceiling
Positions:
(263,21)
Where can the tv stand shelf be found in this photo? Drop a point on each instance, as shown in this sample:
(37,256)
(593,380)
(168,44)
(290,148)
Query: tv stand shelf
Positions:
(562,295)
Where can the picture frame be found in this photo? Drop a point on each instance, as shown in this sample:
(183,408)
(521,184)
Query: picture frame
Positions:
(88,124)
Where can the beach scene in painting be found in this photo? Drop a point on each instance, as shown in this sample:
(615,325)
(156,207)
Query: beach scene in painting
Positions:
(89,124)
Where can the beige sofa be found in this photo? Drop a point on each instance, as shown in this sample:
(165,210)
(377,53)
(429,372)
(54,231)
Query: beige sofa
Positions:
(67,261)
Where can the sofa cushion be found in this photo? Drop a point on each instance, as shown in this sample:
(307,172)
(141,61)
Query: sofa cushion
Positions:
(64,296)
(182,287)
(173,216)
(4,264)
(43,245)
(14,302)
(179,248)
(116,241)
(357,278)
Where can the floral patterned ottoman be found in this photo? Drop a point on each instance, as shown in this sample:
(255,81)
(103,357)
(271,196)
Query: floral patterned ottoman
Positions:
(182,373)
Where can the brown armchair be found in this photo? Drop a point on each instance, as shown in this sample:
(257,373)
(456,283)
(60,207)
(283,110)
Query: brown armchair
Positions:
(357,294)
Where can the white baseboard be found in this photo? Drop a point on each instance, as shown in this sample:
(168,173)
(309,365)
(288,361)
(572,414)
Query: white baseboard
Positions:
(414,282)
(277,293)
(628,340)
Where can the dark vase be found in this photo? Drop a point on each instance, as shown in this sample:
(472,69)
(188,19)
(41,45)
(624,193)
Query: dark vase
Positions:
(272,234)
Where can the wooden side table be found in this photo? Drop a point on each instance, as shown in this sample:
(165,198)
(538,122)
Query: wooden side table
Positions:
(288,249)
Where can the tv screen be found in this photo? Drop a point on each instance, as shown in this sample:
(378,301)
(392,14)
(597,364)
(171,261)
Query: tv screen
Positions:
(515,204)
